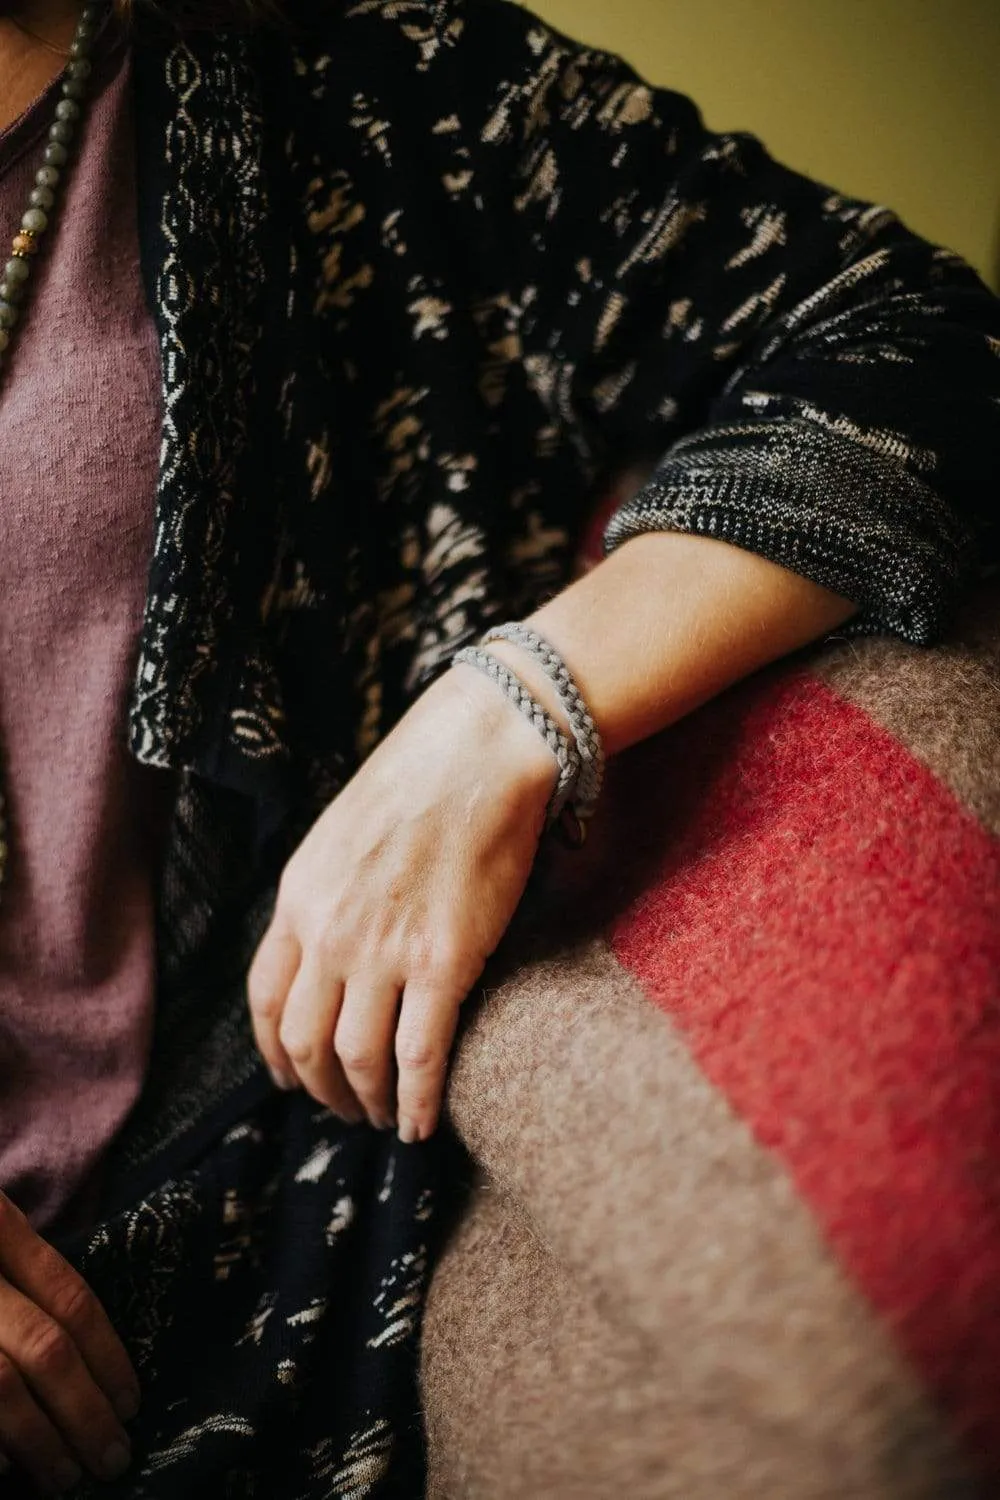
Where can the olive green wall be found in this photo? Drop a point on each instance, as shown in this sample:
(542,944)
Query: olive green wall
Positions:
(897,101)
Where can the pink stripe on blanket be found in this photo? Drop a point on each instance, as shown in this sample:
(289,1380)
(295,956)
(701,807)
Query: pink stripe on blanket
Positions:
(825,930)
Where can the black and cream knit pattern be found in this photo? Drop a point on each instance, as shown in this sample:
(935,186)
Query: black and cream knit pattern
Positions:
(425,278)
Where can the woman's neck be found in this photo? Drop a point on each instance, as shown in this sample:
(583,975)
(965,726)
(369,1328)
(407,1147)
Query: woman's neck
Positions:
(33,34)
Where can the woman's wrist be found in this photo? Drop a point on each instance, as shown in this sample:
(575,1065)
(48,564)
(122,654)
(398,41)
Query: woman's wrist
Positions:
(515,757)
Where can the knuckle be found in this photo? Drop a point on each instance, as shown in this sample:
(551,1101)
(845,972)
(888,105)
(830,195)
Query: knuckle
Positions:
(72,1303)
(358,1055)
(265,1002)
(47,1349)
(298,1048)
(417,1055)
(300,1053)
(327,941)
(432,954)
(443,962)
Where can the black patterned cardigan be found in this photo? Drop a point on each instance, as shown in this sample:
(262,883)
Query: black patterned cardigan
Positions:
(424,277)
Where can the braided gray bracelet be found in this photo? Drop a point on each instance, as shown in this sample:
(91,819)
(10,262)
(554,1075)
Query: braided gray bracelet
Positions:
(566,757)
(581,766)
(581,723)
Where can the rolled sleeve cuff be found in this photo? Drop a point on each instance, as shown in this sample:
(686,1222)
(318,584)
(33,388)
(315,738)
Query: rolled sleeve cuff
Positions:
(848,517)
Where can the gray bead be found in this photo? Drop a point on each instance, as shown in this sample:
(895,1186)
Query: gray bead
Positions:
(12,294)
(78,68)
(74,88)
(35,221)
(55,154)
(41,197)
(4,339)
(8,315)
(62,130)
(16,269)
(48,176)
(67,109)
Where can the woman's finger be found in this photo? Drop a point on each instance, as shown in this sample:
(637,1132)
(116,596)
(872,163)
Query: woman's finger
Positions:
(50,1387)
(28,1437)
(428,1017)
(306,1035)
(363,1044)
(269,980)
(35,1268)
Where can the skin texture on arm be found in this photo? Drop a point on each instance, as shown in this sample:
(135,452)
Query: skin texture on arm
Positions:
(667,621)
(389,908)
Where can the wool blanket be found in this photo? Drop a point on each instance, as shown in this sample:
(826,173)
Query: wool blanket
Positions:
(732,1090)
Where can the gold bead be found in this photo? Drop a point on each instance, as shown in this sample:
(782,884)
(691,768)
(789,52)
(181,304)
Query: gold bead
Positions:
(25,243)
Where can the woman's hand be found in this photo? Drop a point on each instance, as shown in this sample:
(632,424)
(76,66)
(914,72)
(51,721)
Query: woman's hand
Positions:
(66,1384)
(390,906)
(403,887)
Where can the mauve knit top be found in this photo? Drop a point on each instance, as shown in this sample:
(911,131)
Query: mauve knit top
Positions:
(79,439)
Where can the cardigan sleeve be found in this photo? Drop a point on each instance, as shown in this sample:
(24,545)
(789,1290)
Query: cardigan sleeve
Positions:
(813,381)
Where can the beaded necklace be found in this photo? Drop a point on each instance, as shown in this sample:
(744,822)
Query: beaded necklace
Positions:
(38,217)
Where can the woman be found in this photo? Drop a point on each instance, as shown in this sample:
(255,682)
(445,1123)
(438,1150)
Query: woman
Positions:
(322,327)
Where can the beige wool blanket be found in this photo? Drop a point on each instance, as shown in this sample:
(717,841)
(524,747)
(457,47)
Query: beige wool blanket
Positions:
(732,1093)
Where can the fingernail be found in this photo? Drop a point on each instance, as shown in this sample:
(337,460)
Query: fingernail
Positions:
(283,1080)
(348,1114)
(66,1473)
(126,1405)
(408,1132)
(115,1461)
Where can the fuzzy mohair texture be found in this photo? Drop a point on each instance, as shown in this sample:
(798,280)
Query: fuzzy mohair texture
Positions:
(730,1089)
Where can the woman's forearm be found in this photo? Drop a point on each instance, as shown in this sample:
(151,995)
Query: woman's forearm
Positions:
(390,907)
(667,621)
